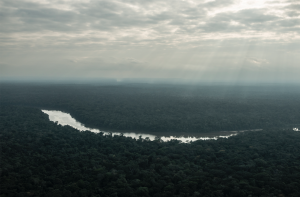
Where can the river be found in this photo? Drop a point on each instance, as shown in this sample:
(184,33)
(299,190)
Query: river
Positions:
(63,119)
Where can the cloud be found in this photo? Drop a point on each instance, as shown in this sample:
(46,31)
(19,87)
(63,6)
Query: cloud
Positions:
(293,6)
(257,61)
(217,4)
(140,19)
(292,13)
(165,37)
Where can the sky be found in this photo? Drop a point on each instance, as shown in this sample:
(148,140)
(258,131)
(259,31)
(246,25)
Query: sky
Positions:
(193,40)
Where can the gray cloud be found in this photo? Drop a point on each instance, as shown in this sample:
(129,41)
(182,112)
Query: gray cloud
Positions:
(293,13)
(153,17)
(216,4)
(148,37)
(245,20)
(294,6)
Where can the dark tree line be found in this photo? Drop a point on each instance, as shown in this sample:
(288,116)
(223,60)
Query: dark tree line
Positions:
(164,108)
(40,158)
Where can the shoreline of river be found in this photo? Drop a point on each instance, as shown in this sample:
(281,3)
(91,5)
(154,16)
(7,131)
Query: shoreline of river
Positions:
(63,119)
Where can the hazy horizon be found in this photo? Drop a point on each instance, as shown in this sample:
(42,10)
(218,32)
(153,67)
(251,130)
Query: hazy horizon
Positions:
(148,82)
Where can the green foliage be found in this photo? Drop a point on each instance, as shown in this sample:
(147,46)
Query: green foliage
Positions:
(164,108)
(41,158)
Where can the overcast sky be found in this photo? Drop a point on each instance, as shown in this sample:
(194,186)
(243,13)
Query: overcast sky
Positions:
(222,40)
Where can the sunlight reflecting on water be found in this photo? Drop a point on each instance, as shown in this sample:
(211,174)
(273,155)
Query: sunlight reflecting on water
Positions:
(66,119)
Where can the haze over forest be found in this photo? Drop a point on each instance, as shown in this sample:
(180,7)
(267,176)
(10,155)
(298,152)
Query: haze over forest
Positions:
(196,41)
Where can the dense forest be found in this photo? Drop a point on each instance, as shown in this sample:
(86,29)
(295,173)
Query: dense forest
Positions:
(159,108)
(41,158)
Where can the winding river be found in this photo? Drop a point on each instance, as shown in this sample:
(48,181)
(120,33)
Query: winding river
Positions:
(66,119)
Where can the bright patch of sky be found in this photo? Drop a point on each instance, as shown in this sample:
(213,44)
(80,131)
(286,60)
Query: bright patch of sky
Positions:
(227,40)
